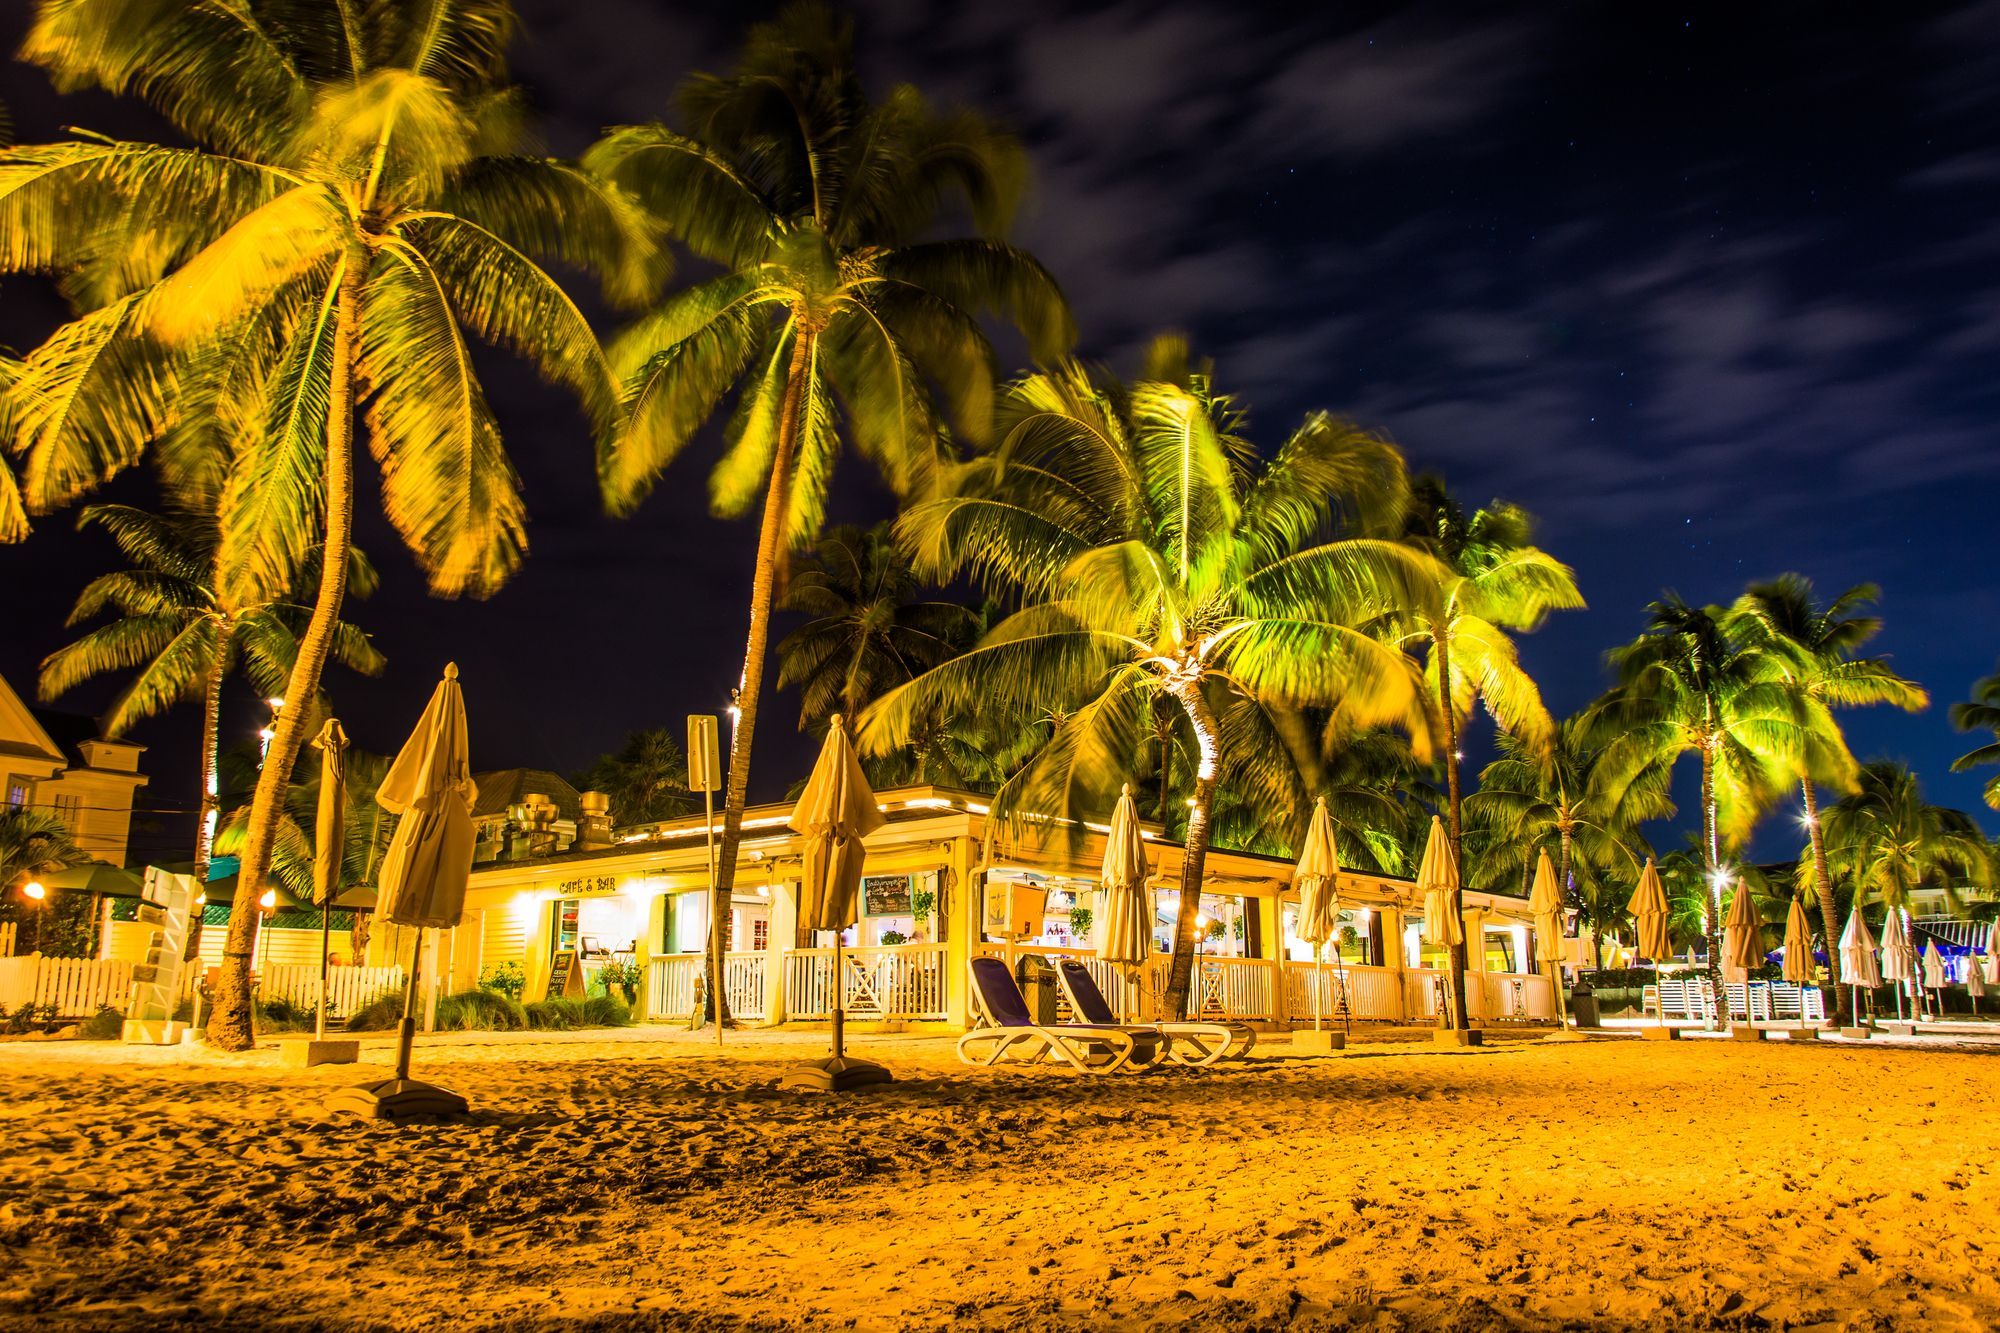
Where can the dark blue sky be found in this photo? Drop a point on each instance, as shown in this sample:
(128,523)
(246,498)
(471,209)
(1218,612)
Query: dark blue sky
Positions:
(1714,290)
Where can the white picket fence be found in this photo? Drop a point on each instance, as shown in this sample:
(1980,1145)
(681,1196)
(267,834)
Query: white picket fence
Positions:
(893,981)
(347,988)
(670,984)
(80,987)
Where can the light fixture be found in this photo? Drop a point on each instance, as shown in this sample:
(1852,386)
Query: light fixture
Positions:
(33,889)
(269,900)
(275,703)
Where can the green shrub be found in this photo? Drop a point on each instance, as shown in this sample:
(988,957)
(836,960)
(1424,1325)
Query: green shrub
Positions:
(281,1015)
(107,1024)
(562,1015)
(504,979)
(480,1011)
(378,1015)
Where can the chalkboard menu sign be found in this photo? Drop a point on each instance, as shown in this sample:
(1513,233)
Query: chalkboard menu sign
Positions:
(885,895)
(565,976)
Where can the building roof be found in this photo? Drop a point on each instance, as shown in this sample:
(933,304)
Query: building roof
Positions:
(21,731)
(506,786)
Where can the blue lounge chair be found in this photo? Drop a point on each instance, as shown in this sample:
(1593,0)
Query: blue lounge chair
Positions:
(1008,1032)
(1188,1043)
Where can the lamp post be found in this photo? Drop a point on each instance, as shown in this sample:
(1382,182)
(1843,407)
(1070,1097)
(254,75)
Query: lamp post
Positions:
(266,906)
(38,895)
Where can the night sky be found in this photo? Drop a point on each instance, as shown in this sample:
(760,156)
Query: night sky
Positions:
(1715,291)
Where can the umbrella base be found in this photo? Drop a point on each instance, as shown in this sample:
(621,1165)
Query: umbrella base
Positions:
(1745,1032)
(836,1074)
(1459,1037)
(1319,1043)
(1660,1034)
(1857,1034)
(397,1099)
(1564,1035)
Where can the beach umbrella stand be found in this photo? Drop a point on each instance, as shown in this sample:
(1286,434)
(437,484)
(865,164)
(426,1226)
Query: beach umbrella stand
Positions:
(834,813)
(1317,879)
(1649,916)
(423,880)
(1545,902)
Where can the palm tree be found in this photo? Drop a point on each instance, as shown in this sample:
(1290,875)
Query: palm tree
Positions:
(1491,580)
(365,834)
(1815,646)
(1686,686)
(175,631)
(837,317)
(1528,798)
(646,778)
(1887,841)
(1282,758)
(1981,713)
(354,216)
(868,630)
(1155,556)
(32,842)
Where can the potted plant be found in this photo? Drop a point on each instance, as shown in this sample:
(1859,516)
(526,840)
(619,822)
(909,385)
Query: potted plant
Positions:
(622,978)
(923,902)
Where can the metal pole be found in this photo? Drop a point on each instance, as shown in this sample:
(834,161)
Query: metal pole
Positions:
(715,918)
(406,1033)
(325,945)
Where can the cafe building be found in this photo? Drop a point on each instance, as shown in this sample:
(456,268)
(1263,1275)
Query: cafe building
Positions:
(946,882)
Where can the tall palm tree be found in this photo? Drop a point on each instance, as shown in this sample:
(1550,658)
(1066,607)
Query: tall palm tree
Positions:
(837,318)
(1981,713)
(646,778)
(355,214)
(1886,841)
(1816,647)
(1686,686)
(1156,556)
(175,630)
(1492,580)
(1529,797)
(869,631)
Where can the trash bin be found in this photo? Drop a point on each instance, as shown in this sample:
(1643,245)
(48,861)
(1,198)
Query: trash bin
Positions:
(1583,1007)
(1037,976)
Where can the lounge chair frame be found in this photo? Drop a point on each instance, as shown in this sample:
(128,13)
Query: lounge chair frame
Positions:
(1188,1043)
(1088,1049)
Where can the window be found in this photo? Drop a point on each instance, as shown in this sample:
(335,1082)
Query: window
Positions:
(760,934)
(66,808)
(17,791)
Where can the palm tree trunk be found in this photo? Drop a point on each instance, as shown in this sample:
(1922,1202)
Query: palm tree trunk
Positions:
(1711,864)
(1163,735)
(211,801)
(1455,984)
(1566,831)
(229,1026)
(1194,851)
(1829,919)
(763,588)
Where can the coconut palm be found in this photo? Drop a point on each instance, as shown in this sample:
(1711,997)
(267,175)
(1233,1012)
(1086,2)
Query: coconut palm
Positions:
(34,842)
(869,631)
(1529,798)
(1886,841)
(365,832)
(1816,648)
(1981,713)
(1492,580)
(838,317)
(1282,758)
(175,631)
(354,216)
(646,778)
(1686,686)
(1155,555)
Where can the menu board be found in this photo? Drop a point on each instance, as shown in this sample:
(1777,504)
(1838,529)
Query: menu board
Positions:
(885,895)
(565,975)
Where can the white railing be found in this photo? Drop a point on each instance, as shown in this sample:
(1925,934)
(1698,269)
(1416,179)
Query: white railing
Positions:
(1370,993)
(348,988)
(743,982)
(671,983)
(892,981)
(1517,997)
(1423,994)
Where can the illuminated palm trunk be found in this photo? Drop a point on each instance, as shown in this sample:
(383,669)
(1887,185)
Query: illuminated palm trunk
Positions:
(1455,984)
(229,1027)
(763,589)
(211,800)
(1829,919)
(1194,853)
(1712,864)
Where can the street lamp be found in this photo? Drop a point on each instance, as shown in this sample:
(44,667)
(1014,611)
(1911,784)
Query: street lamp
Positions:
(269,732)
(36,894)
(266,905)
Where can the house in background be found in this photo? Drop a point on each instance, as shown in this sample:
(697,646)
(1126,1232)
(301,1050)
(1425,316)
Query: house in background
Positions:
(59,762)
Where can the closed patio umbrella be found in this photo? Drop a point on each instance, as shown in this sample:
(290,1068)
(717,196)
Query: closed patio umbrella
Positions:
(1649,913)
(1993,953)
(329,846)
(1934,974)
(1742,946)
(1437,880)
(833,814)
(1857,958)
(1975,982)
(423,878)
(1899,957)
(1124,925)
(1317,879)
(1798,944)
(1545,901)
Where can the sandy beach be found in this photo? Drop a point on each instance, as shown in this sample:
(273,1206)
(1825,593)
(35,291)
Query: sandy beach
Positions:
(637,1180)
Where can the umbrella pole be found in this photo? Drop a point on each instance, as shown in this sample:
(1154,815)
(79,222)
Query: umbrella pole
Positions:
(325,948)
(839,1010)
(406,1031)
(1317,979)
(715,909)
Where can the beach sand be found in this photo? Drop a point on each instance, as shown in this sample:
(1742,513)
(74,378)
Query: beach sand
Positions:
(637,1180)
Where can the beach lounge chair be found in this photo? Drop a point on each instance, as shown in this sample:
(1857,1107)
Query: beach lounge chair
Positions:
(1188,1043)
(1007,1032)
